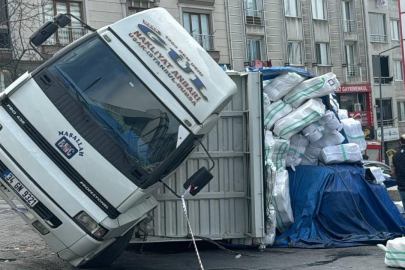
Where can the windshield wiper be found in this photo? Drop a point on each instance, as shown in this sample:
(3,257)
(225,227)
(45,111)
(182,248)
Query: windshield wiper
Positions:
(92,84)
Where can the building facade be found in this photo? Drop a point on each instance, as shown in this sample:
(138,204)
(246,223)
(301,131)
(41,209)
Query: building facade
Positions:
(340,36)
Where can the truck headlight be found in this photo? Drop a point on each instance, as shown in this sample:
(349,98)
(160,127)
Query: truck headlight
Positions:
(91,225)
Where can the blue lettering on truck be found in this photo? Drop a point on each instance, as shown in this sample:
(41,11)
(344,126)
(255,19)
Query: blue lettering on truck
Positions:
(173,61)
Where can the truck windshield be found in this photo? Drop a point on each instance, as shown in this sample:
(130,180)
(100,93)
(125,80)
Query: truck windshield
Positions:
(115,97)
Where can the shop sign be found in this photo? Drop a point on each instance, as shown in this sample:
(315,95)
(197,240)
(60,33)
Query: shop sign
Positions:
(390,134)
(354,88)
(362,116)
(368,133)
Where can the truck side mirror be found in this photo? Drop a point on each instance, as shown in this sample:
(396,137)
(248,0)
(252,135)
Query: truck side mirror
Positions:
(198,181)
(43,33)
(61,20)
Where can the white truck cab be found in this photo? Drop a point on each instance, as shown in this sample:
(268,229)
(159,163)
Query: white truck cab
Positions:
(86,137)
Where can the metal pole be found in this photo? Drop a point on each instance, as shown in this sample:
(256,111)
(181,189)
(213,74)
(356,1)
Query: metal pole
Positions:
(381,101)
(381,111)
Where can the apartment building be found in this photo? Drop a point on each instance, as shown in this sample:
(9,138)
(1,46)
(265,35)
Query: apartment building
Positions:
(340,36)
(383,28)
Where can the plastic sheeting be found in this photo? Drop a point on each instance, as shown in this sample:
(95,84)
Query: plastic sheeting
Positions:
(335,206)
(280,86)
(274,112)
(280,152)
(343,153)
(273,72)
(317,87)
(309,112)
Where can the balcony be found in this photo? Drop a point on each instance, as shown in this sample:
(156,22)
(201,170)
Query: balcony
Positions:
(353,71)
(66,35)
(206,41)
(378,38)
(349,26)
(254,17)
(384,80)
(386,123)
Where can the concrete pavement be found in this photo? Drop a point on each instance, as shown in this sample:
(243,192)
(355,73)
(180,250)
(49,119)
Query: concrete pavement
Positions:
(31,253)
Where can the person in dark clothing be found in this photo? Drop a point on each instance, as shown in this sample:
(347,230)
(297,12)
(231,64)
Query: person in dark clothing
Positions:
(398,168)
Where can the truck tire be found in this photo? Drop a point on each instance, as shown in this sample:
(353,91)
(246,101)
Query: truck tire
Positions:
(111,253)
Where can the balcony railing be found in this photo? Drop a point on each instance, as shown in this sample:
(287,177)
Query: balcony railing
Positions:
(386,123)
(206,41)
(349,26)
(353,71)
(254,17)
(384,80)
(66,35)
(378,38)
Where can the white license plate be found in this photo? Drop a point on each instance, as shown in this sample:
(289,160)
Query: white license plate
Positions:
(20,188)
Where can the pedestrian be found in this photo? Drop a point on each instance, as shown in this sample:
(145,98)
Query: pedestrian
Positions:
(398,168)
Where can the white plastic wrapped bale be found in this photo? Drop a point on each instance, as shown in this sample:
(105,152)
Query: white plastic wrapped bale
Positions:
(314,131)
(298,144)
(334,103)
(330,122)
(309,112)
(271,214)
(330,140)
(269,146)
(378,174)
(266,100)
(395,255)
(312,153)
(344,153)
(306,161)
(280,153)
(282,84)
(316,87)
(343,114)
(282,202)
(274,112)
(354,132)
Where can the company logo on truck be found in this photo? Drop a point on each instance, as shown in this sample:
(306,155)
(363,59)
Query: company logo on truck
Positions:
(171,60)
(66,146)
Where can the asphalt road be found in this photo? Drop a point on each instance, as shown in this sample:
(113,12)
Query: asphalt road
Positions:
(31,253)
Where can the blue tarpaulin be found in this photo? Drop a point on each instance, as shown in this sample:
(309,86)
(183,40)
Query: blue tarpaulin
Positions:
(335,206)
(272,72)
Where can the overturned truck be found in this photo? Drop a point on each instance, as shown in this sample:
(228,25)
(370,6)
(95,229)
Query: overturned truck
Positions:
(88,136)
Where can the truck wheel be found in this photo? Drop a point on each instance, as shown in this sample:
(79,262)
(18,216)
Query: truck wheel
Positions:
(111,253)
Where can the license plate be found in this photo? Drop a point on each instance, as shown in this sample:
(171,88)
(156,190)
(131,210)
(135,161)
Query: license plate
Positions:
(30,199)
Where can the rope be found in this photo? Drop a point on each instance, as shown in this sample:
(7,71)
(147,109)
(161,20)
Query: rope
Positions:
(351,194)
(191,231)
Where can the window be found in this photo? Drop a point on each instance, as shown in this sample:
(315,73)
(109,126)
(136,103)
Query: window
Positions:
(291,8)
(132,10)
(254,50)
(199,27)
(351,61)
(319,9)
(353,102)
(294,53)
(394,29)
(387,111)
(401,110)
(398,71)
(349,24)
(377,27)
(251,4)
(322,53)
(74,30)
(252,13)
(127,110)
(382,61)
